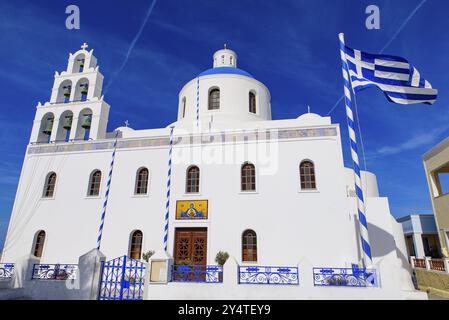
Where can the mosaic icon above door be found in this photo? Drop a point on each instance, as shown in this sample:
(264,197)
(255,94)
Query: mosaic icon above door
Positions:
(191,209)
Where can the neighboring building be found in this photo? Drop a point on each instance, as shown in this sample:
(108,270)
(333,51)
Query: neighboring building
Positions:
(436,165)
(268,192)
(421,235)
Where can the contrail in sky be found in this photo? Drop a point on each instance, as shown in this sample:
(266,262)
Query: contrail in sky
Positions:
(403,25)
(131,46)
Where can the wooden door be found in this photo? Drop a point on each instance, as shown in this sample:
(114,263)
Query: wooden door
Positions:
(191,246)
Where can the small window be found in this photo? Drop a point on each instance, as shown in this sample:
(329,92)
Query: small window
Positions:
(184,107)
(249,246)
(39,244)
(135,249)
(214,99)
(50,184)
(94,184)
(440,180)
(193,180)
(307,175)
(248,177)
(252,102)
(141,181)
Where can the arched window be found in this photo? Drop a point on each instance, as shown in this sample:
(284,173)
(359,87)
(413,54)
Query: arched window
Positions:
(193,180)
(214,99)
(252,102)
(248,177)
(94,183)
(39,244)
(135,248)
(141,181)
(249,246)
(307,175)
(50,184)
(184,101)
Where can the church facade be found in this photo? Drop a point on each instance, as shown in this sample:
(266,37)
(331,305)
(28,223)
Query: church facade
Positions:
(270,193)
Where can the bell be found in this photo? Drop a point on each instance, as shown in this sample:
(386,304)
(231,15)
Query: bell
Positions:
(81,61)
(68,122)
(48,127)
(87,121)
(84,88)
(67,90)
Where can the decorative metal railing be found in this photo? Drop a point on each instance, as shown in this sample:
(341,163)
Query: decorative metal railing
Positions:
(420,263)
(54,271)
(268,275)
(345,277)
(6,271)
(437,264)
(197,273)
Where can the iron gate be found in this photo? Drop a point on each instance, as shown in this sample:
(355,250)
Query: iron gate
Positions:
(122,278)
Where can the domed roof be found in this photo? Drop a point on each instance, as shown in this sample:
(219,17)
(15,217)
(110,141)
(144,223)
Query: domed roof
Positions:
(124,129)
(225,70)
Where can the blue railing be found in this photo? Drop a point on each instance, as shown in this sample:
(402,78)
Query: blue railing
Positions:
(197,273)
(6,271)
(344,277)
(268,275)
(54,271)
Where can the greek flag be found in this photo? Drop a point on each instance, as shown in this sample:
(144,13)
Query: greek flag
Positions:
(400,81)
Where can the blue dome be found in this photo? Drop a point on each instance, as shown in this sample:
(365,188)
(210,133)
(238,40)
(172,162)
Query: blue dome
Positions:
(225,70)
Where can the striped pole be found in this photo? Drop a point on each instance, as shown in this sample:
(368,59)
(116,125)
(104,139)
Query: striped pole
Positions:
(366,248)
(198,102)
(108,187)
(167,204)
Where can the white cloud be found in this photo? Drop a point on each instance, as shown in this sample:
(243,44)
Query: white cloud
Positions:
(418,140)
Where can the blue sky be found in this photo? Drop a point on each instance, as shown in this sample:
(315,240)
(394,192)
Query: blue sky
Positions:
(291,46)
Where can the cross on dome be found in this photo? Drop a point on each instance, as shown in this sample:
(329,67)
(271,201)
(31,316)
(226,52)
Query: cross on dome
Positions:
(84,46)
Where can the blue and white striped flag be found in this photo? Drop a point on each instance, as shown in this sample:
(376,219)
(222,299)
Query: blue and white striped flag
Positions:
(400,81)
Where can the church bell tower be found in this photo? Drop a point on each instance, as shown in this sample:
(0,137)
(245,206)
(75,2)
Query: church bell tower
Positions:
(76,110)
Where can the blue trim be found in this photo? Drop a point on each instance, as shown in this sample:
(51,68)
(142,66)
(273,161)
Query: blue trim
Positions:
(6,271)
(225,70)
(268,275)
(345,277)
(54,271)
(197,273)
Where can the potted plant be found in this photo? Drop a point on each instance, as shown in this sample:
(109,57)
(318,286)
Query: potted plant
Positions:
(147,255)
(221,258)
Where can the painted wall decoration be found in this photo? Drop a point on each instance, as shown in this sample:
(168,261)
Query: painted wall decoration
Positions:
(191,209)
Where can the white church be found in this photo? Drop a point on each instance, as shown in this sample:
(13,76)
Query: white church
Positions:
(272,194)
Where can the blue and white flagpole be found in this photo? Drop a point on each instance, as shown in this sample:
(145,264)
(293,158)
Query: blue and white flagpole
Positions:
(167,204)
(197,103)
(108,187)
(364,239)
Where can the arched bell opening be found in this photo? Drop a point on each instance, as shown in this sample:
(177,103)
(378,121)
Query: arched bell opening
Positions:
(78,63)
(81,90)
(64,92)
(84,124)
(46,128)
(65,126)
